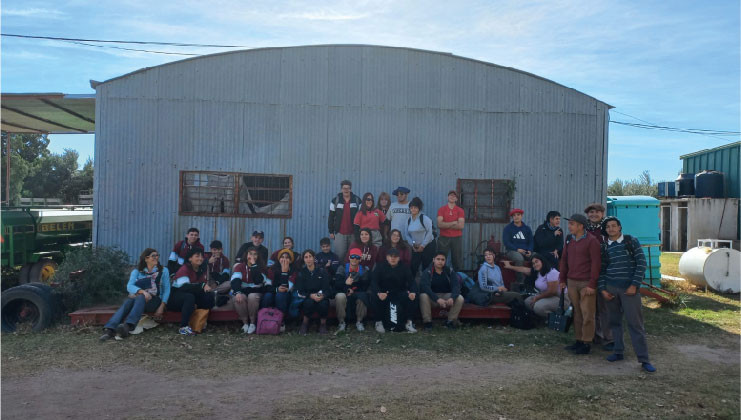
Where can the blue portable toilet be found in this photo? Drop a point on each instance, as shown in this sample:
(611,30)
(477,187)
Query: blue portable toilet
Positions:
(639,215)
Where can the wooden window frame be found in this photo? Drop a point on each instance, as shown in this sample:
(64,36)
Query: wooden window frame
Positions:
(474,218)
(236,176)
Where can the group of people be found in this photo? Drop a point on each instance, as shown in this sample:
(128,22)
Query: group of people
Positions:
(391,261)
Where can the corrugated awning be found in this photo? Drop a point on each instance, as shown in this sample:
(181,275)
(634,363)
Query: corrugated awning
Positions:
(53,113)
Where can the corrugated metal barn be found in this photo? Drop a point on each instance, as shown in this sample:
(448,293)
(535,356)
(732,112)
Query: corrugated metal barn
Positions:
(260,139)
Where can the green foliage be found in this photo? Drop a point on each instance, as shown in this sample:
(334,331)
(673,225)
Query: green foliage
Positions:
(643,185)
(105,272)
(81,180)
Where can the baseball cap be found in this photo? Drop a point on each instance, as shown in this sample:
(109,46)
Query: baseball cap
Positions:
(578,218)
(392,252)
(258,233)
(514,211)
(403,190)
(595,206)
(453,192)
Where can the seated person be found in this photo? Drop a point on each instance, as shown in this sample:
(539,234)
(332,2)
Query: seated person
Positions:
(327,259)
(351,287)
(313,284)
(180,250)
(149,289)
(219,269)
(396,241)
(439,286)
(248,285)
(190,289)
(491,283)
(548,297)
(256,241)
(369,252)
(283,276)
(392,281)
(287,244)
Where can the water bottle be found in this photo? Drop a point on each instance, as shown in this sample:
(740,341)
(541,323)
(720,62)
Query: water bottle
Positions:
(569,311)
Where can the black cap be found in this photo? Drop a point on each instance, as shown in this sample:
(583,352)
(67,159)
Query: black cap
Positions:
(259,233)
(578,218)
(403,190)
(392,252)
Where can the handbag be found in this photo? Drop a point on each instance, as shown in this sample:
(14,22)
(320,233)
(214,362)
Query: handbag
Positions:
(560,320)
(198,320)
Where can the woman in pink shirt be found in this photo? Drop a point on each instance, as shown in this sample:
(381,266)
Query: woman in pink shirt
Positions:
(370,217)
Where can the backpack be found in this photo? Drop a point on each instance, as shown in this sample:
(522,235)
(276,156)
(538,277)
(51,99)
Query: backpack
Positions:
(466,283)
(269,321)
(520,316)
(605,256)
(422,220)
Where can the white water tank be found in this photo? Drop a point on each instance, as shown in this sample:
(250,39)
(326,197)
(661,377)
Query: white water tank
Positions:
(719,269)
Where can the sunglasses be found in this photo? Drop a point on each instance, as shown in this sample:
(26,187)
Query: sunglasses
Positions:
(369,199)
(153,256)
(355,257)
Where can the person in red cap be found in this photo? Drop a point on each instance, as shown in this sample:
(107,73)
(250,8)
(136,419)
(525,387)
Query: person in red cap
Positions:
(451,220)
(518,242)
(351,284)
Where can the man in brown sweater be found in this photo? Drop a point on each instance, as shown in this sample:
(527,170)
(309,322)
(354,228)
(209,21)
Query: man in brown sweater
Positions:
(580,267)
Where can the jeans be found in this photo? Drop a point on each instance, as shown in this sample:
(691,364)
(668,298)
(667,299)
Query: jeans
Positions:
(341,244)
(354,306)
(422,260)
(186,303)
(280,300)
(132,309)
(310,307)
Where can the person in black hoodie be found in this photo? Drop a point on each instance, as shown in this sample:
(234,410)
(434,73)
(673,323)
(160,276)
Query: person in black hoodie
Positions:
(548,238)
(248,285)
(313,284)
(392,281)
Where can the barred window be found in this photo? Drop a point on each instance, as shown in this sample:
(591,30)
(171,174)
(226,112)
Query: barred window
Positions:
(233,194)
(486,200)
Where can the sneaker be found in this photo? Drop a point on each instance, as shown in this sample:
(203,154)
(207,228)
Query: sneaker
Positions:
(245,328)
(323,329)
(251,329)
(341,327)
(379,327)
(648,367)
(186,331)
(122,330)
(410,327)
(583,349)
(283,328)
(427,326)
(304,329)
(359,326)
(614,357)
(609,347)
(450,325)
(108,334)
(574,346)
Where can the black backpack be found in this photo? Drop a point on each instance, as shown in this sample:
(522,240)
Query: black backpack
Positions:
(520,316)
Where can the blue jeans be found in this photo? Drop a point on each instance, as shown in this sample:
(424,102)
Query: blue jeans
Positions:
(132,309)
(280,300)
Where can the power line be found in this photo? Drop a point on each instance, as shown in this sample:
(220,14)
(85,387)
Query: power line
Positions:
(650,123)
(173,44)
(129,49)
(681,130)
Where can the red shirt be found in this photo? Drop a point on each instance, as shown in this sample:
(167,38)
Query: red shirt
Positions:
(371,219)
(346,223)
(451,215)
(581,260)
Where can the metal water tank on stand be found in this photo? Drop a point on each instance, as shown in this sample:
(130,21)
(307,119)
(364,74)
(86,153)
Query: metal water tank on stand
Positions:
(709,184)
(685,185)
(719,269)
(667,189)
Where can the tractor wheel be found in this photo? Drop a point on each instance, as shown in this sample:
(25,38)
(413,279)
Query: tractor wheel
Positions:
(43,271)
(25,304)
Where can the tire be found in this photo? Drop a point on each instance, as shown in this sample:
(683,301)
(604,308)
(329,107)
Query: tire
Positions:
(25,303)
(43,271)
(25,274)
(50,295)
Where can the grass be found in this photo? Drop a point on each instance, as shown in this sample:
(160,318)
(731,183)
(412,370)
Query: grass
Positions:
(482,371)
(670,263)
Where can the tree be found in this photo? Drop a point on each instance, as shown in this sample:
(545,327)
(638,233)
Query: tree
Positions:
(50,174)
(81,180)
(643,185)
(25,151)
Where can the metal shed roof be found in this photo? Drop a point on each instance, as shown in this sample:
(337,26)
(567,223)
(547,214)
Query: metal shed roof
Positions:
(53,113)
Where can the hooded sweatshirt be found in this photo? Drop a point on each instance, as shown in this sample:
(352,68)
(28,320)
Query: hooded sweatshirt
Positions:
(490,277)
(517,237)
(393,279)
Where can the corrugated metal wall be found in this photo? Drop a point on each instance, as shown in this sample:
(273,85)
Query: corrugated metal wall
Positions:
(379,116)
(724,159)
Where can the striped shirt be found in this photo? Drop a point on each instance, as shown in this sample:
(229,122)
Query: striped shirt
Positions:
(622,270)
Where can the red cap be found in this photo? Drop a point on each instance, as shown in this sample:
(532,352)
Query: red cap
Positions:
(514,211)
(355,251)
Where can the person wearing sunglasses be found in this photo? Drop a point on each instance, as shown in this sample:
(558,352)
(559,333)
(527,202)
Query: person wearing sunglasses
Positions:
(351,284)
(149,290)
(370,217)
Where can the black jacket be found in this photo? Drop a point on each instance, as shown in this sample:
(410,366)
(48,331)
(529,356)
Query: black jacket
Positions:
(309,282)
(546,241)
(392,279)
(261,251)
(448,274)
(361,280)
(336,209)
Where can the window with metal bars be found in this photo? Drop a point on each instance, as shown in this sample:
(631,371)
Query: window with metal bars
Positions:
(233,194)
(485,200)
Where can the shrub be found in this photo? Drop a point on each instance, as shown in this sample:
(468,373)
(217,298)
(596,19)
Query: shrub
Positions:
(105,272)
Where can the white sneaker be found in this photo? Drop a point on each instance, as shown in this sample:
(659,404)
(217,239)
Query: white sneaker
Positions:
(245,328)
(359,326)
(410,327)
(379,327)
(283,328)
(251,329)
(341,326)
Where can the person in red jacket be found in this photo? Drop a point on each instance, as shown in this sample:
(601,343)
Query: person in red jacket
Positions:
(182,248)
(580,267)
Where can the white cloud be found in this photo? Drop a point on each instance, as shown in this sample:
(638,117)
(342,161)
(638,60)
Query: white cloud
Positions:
(34,12)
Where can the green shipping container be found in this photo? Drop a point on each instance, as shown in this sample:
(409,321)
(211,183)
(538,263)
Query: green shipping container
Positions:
(639,216)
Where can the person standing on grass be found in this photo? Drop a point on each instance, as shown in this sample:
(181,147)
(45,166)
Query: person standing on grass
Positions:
(258,237)
(182,248)
(596,214)
(548,297)
(451,220)
(149,290)
(384,203)
(392,281)
(351,287)
(369,217)
(518,241)
(620,283)
(548,238)
(440,287)
(313,284)
(248,285)
(580,268)
(190,289)
(342,210)
(420,236)
(399,211)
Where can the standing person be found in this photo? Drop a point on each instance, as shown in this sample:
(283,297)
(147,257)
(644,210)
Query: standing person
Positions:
(283,277)
(342,210)
(369,252)
(548,297)
(620,283)
(399,211)
(419,234)
(327,259)
(518,242)
(596,214)
(548,238)
(190,290)
(392,281)
(371,218)
(258,237)
(396,241)
(439,287)
(580,268)
(384,203)
(491,283)
(248,285)
(351,287)
(182,248)
(314,286)
(149,290)
(451,220)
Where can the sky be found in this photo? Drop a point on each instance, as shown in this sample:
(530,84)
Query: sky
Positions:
(672,64)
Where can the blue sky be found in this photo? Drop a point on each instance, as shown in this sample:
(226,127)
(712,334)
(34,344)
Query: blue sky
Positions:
(669,63)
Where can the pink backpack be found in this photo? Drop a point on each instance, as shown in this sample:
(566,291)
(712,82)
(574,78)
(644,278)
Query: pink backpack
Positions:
(269,321)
